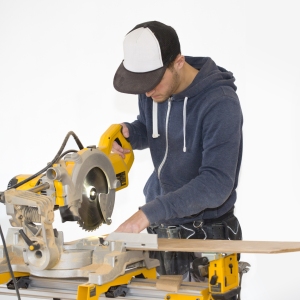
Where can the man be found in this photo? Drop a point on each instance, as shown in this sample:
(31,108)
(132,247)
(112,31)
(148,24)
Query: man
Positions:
(190,118)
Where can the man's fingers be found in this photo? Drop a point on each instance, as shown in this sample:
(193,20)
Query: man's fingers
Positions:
(116,148)
(125,130)
(135,224)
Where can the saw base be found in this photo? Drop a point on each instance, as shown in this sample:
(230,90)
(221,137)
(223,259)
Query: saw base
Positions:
(43,288)
(84,258)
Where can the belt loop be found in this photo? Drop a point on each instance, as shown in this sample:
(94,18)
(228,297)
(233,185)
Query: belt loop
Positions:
(169,232)
(173,232)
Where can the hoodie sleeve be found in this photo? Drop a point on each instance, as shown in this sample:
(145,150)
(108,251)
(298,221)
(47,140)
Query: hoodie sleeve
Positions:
(216,179)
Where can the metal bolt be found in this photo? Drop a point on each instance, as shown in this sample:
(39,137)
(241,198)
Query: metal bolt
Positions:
(93,194)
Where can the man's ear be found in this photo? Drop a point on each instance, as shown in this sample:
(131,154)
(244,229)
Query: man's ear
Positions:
(179,61)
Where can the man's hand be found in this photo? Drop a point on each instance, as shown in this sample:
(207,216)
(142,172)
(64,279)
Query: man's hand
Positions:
(116,148)
(135,224)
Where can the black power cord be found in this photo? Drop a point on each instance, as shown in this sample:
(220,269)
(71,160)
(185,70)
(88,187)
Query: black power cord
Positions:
(9,265)
(57,157)
(66,152)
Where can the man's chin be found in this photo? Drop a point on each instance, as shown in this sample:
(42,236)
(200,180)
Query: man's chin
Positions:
(159,99)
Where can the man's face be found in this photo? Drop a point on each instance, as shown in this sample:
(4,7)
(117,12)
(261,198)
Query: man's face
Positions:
(167,86)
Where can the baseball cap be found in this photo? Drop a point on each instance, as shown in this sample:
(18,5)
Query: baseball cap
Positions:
(148,50)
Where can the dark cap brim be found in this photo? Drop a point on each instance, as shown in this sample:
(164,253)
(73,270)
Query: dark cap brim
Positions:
(137,83)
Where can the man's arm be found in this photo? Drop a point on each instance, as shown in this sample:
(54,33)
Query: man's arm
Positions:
(136,132)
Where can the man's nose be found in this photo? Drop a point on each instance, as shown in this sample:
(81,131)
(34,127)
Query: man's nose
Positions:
(150,93)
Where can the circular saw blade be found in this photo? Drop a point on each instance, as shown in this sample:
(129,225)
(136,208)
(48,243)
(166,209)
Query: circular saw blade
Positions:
(90,213)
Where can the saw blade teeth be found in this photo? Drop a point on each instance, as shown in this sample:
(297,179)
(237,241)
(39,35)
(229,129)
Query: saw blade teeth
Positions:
(87,228)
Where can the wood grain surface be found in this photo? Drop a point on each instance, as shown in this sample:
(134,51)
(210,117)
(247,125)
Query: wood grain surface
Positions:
(225,246)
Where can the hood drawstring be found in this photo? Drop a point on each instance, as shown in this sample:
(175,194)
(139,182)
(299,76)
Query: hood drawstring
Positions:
(184,122)
(155,133)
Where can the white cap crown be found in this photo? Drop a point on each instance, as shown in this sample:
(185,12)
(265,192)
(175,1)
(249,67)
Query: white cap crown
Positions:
(142,52)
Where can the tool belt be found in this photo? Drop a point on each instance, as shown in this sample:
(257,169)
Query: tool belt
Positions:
(214,232)
(171,263)
(214,229)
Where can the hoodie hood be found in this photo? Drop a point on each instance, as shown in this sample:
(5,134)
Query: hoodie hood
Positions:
(210,76)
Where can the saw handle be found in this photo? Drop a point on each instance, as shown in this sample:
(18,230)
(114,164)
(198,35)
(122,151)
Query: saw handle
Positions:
(114,133)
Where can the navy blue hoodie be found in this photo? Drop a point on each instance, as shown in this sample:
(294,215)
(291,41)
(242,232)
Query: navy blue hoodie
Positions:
(195,140)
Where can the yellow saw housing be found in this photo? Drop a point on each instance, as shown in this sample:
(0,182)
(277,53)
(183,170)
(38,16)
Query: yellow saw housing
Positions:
(83,184)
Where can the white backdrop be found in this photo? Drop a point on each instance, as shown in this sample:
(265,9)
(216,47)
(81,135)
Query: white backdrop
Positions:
(57,62)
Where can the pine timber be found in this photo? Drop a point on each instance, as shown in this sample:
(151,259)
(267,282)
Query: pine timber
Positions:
(224,246)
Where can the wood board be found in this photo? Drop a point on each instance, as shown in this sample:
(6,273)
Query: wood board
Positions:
(224,246)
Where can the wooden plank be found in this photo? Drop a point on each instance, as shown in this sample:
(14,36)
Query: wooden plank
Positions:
(225,246)
(169,283)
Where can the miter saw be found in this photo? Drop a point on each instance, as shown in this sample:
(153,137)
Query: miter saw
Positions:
(82,185)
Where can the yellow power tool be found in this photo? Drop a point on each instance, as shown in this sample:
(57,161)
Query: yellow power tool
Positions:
(81,184)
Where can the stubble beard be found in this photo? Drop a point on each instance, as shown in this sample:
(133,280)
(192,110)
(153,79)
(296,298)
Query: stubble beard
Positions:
(174,85)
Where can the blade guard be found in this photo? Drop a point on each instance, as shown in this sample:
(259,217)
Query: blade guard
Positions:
(121,166)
